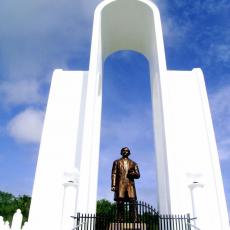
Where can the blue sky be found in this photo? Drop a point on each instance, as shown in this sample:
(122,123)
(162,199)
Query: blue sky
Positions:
(39,36)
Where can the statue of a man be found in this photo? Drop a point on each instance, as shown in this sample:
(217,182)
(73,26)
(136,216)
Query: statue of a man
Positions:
(124,172)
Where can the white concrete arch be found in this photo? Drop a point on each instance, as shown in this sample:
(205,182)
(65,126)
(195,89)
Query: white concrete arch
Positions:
(140,31)
(133,32)
(185,143)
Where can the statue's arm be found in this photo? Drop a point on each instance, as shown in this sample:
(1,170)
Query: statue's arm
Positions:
(137,172)
(113,176)
(134,171)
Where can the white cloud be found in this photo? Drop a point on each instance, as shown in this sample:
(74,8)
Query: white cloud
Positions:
(185,25)
(27,126)
(220,107)
(221,51)
(174,31)
(37,37)
(130,128)
(208,6)
(20,92)
(224,147)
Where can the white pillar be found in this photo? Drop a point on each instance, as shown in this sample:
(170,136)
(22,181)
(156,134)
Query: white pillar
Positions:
(70,184)
(196,196)
(17,220)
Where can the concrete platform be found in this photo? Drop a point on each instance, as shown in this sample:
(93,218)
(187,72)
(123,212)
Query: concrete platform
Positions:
(127,226)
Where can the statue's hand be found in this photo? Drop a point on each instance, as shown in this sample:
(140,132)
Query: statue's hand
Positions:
(113,188)
(133,173)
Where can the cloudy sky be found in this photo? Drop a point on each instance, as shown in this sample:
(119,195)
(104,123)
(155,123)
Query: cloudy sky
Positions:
(39,36)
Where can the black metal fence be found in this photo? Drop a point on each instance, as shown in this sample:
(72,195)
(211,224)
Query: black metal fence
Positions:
(146,218)
(175,222)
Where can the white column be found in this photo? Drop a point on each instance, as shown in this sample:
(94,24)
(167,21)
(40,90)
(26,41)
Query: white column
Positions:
(196,196)
(70,184)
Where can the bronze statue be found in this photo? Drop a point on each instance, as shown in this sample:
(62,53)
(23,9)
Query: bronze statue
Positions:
(124,172)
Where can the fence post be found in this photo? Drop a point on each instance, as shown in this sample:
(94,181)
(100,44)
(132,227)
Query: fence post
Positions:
(17,220)
(189,221)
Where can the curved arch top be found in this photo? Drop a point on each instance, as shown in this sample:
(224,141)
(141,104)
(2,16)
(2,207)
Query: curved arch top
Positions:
(138,29)
(104,3)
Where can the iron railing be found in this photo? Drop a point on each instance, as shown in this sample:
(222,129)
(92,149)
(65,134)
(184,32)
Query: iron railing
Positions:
(174,222)
(147,218)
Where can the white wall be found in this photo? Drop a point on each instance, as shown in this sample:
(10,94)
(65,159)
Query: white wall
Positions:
(60,151)
(192,153)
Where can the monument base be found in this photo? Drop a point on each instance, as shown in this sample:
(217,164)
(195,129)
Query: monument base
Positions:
(127,226)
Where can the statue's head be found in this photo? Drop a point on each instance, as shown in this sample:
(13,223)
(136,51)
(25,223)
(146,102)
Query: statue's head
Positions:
(125,152)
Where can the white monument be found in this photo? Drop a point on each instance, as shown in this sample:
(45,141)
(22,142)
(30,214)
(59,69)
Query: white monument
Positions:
(186,151)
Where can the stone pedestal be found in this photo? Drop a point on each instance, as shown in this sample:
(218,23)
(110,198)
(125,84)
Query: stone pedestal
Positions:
(127,226)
